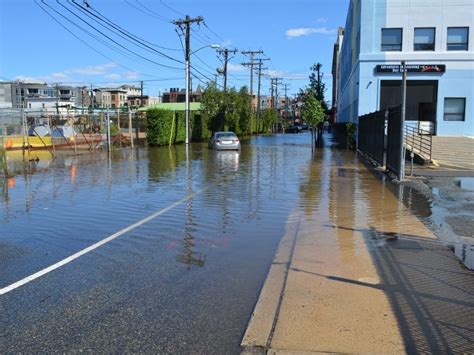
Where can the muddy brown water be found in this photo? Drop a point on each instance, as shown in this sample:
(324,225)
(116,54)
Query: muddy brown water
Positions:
(188,280)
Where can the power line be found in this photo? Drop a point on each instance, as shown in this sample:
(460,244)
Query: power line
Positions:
(112,40)
(115,25)
(185,26)
(153,12)
(215,34)
(123,33)
(225,53)
(146,13)
(204,76)
(84,42)
(251,64)
(169,7)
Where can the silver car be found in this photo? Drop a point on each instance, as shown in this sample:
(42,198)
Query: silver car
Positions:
(224,141)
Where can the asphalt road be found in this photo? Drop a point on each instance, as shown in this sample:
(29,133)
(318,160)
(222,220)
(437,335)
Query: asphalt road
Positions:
(185,280)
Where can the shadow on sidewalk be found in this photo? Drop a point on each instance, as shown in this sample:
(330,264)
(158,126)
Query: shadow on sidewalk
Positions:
(431,294)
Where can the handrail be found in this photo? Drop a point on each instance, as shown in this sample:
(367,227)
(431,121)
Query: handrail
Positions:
(419,141)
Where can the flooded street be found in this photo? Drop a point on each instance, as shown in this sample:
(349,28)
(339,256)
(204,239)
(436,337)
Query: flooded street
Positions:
(160,250)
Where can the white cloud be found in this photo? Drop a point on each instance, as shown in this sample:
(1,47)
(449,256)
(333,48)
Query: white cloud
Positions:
(99,69)
(322,20)
(305,31)
(231,67)
(226,43)
(286,75)
(30,79)
(112,76)
(100,72)
(131,75)
(59,76)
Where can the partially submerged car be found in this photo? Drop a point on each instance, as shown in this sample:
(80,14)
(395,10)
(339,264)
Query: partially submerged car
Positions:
(224,141)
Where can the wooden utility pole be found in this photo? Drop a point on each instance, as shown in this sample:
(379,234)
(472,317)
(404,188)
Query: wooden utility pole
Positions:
(185,26)
(251,64)
(254,63)
(57,99)
(287,106)
(259,69)
(225,53)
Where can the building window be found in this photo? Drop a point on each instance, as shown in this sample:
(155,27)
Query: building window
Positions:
(458,38)
(424,39)
(113,97)
(454,108)
(391,39)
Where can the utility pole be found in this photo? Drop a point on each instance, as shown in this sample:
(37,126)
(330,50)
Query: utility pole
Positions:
(259,69)
(185,26)
(255,63)
(57,99)
(225,52)
(401,168)
(251,64)
(274,83)
(286,105)
(318,68)
(92,99)
(141,93)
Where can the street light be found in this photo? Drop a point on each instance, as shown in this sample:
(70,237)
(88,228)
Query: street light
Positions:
(188,56)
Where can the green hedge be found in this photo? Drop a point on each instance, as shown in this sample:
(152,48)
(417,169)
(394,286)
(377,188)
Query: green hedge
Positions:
(220,111)
(169,127)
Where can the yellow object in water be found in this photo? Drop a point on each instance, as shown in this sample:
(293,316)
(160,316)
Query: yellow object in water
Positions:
(16,142)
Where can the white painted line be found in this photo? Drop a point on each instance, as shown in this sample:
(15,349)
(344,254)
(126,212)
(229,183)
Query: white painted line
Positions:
(73,257)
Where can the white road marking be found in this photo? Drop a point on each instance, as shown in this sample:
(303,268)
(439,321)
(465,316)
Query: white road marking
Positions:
(73,257)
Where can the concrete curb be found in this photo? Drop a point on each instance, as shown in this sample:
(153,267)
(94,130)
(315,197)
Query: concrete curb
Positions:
(454,166)
(262,321)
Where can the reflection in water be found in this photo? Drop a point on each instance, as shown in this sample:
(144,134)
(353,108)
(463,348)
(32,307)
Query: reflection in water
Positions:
(188,256)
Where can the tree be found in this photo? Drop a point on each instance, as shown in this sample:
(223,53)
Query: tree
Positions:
(312,111)
(316,84)
(213,107)
(244,111)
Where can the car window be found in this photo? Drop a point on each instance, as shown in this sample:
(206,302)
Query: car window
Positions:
(226,135)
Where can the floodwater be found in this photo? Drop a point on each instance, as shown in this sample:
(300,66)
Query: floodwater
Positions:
(187,279)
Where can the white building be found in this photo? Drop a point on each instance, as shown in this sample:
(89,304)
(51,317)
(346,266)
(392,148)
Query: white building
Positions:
(434,37)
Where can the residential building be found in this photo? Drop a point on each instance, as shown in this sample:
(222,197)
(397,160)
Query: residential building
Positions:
(131,90)
(6,100)
(111,97)
(179,95)
(140,101)
(34,95)
(435,40)
(15,93)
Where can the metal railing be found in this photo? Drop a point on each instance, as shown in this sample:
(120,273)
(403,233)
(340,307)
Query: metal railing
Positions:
(371,135)
(419,142)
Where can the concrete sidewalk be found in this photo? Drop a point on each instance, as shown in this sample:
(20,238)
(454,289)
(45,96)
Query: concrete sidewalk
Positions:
(453,152)
(358,272)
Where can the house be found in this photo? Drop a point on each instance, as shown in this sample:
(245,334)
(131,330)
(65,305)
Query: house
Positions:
(111,97)
(177,95)
(140,101)
(434,39)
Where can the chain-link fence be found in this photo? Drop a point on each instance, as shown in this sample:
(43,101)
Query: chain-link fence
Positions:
(39,129)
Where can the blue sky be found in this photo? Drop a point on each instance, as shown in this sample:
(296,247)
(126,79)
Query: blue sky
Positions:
(294,34)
